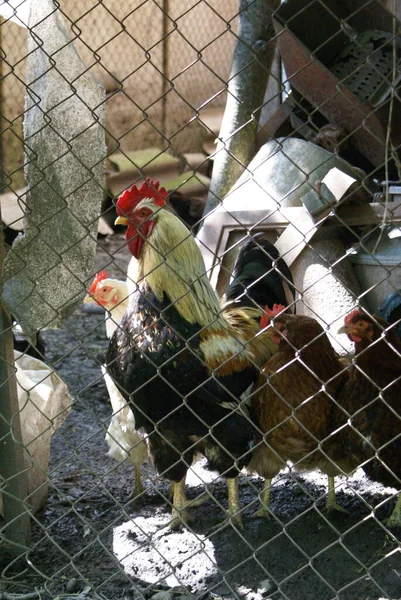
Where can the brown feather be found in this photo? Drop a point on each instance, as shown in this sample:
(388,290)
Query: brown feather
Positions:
(372,397)
(293,402)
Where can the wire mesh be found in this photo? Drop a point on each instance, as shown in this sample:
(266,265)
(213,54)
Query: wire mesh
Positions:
(218,445)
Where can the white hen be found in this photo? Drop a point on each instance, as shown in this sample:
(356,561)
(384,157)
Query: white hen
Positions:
(122,438)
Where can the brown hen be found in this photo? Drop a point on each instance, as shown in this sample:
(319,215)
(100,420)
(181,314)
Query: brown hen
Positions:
(294,406)
(372,397)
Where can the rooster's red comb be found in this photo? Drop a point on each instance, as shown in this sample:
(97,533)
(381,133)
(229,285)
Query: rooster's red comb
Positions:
(98,278)
(350,317)
(131,197)
(270,313)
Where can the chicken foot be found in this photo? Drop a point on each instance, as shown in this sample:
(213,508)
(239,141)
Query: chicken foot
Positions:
(394,519)
(138,485)
(331,503)
(264,511)
(234,516)
(180,514)
(234,506)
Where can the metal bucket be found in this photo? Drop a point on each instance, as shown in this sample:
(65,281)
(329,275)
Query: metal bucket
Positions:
(378,269)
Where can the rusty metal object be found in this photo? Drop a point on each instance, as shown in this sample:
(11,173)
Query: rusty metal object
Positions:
(307,67)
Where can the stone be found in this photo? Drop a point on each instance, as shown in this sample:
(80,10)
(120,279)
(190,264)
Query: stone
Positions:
(266,587)
(163,595)
(48,267)
(73,585)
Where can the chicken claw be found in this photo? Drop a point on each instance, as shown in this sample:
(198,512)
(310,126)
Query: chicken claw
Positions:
(198,500)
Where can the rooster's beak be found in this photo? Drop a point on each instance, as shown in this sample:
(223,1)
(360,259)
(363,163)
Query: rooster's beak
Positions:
(344,329)
(88,298)
(121,221)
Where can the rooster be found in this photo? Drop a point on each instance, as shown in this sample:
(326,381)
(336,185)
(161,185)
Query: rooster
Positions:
(373,400)
(122,437)
(294,405)
(181,361)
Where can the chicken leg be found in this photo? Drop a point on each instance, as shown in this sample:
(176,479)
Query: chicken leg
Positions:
(394,519)
(138,485)
(180,514)
(264,511)
(234,516)
(331,504)
(234,506)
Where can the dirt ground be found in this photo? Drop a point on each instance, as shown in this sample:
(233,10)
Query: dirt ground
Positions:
(89,541)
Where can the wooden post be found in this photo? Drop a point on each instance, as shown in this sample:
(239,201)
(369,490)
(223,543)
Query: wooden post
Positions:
(15,535)
(16,532)
(166,44)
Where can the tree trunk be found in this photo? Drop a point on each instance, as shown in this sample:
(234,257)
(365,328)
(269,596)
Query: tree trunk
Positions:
(250,70)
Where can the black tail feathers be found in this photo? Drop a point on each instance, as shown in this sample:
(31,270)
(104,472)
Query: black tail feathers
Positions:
(390,309)
(260,277)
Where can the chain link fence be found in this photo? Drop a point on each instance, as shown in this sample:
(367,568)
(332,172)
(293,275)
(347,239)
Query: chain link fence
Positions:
(259,453)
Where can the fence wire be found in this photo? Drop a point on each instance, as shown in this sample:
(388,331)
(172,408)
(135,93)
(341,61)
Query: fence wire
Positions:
(201,400)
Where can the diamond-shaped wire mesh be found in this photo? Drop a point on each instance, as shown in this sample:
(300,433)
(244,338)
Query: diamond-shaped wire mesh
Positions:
(204,399)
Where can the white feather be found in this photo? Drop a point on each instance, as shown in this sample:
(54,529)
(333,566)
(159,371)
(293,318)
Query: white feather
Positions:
(123,440)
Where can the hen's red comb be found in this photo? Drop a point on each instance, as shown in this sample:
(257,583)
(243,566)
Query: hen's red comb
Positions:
(270,313)
(350,317)
(131,197)
(98,278)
